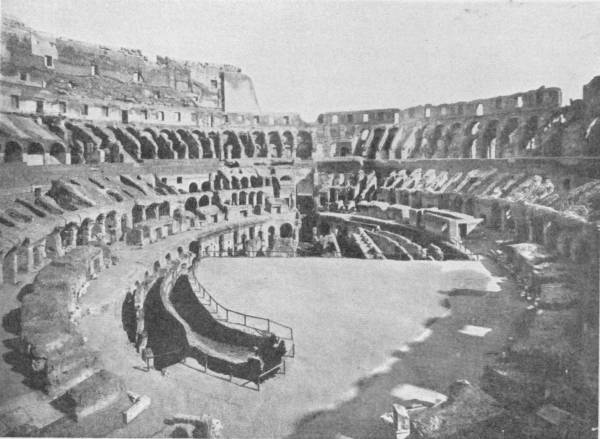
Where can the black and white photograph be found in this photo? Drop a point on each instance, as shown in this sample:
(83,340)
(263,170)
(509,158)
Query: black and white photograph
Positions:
(303,219)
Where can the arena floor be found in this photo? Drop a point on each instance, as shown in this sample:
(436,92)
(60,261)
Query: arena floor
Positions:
(353,320)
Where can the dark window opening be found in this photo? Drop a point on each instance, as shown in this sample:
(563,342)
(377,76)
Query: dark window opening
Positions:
(85,110)
(178,115)
(62,107)
(350,118)
(286,120)
(14,101)
(39,106)
(105,111)
(23,76)
(124,116)
(145,114)
(179,180)
(49,61)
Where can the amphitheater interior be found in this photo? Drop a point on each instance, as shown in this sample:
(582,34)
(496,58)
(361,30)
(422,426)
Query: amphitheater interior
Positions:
(125,181)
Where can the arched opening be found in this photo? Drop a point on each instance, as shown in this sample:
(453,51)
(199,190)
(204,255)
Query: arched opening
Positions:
(276,187)
(271,237)
(231,146)
(35,148)
(488,147)
(193,188)
(505,135)
(112,225)
(59,152)
(246,141)
(259,198)
(470,207)
(84,232)
(436,143)
(13,153)
(288,144)
(152,212)
(305,145)
(457,204)
(204,201)
(235,183)
(251,198)
(375,140)
(77,156)
(234,199)
(360,142)
(469,147)
(205,143)
(244,182)
(286,230)
(137,213)
(221,182)
(164,209)
(530,130)
(242,198)
(260,144)
(191,204)
(194,247)
(275,144)
(205,186)
(537,230)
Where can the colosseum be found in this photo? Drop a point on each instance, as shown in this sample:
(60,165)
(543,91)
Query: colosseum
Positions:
(177,263)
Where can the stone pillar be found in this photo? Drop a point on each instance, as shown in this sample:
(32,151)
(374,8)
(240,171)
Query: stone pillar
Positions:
(116,231)
(30,259)
(86,234)
(529,224)
(99,230)
(502,222)
(54,244)
(71,240)
(126,223)
(11,267)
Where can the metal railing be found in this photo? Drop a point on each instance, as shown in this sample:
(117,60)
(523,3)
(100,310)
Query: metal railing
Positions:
(261,325)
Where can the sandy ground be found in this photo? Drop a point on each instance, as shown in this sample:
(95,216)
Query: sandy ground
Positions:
(353,322)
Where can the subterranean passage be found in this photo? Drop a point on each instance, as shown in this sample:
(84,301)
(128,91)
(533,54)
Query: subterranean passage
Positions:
(179,326)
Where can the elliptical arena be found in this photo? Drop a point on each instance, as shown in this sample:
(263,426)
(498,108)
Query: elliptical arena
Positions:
(176,263)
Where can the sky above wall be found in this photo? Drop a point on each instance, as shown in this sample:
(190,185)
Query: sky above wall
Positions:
(312,57)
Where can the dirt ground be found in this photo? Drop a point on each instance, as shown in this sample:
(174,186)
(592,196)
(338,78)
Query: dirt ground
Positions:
(353,321)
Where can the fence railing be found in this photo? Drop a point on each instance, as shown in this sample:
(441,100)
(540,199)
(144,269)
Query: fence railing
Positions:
(261,325)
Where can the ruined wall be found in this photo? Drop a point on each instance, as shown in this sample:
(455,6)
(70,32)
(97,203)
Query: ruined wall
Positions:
(93,81)
(530,123)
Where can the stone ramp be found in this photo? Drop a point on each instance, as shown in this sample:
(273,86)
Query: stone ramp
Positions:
(203,344)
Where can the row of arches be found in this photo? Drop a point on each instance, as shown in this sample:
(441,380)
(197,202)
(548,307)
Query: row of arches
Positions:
(187,143)
(241,198)
(477,138)
(14,152)
(222,182)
